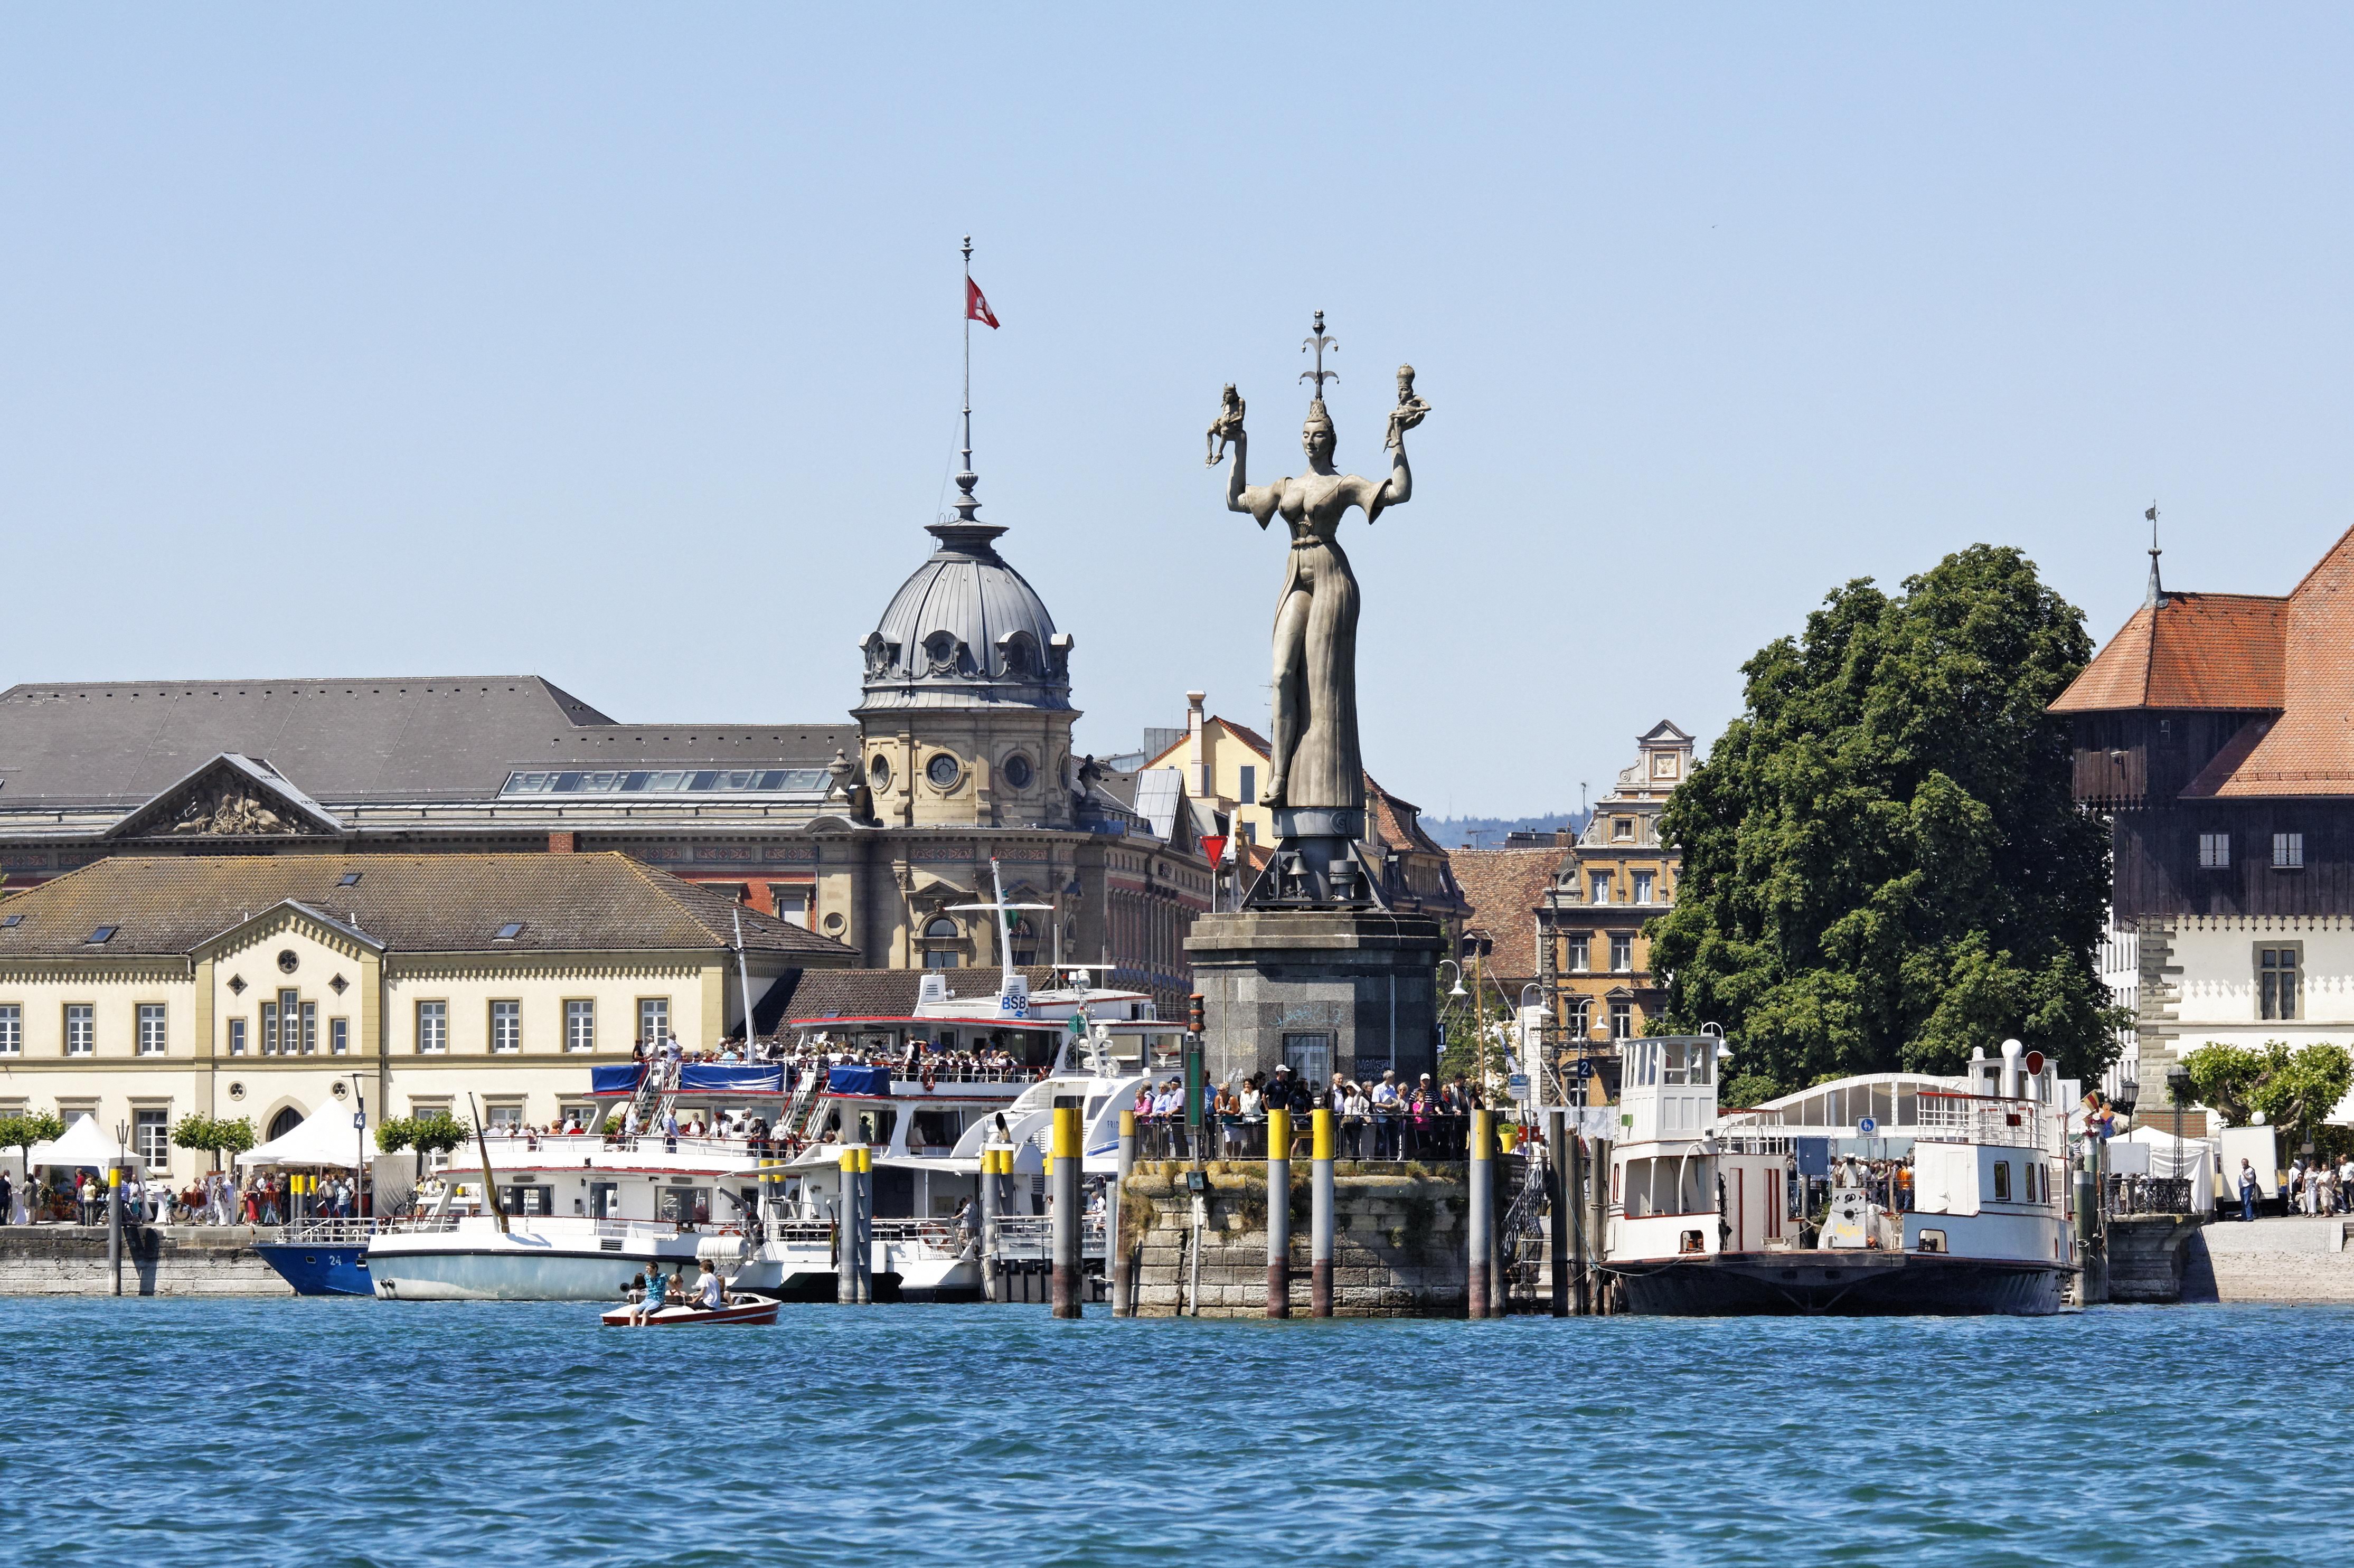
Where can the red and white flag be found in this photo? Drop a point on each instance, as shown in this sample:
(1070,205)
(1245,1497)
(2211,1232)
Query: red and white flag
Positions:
(976,304)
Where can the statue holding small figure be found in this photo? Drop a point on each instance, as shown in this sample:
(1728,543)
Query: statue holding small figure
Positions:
(1315,762)
(1225,426)
(1411,409)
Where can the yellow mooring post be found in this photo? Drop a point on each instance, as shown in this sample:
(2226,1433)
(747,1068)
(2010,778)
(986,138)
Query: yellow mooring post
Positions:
(1064,1182)
(1480,1240)
(1123,1286)
(992,1159)
(1319,1216)
(1279,1214)
(845,1233)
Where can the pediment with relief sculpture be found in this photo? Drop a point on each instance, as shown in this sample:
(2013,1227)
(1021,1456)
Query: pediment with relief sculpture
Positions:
(231,797)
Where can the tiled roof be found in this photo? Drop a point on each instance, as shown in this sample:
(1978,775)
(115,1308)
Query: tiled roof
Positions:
(399,738)
(1504,888)
(2195,651)
(891,993)
(407,903)
(1399,820)
(2292,656)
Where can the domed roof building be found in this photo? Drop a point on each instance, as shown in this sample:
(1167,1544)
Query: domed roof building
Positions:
(967,716)
(966,629)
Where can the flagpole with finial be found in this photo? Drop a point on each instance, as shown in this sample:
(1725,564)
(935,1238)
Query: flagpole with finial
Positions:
(968,352)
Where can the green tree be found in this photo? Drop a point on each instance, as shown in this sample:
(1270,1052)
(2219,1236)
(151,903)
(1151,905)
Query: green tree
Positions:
(393,1133)
(1883,867)
(2225,1078)
(438,1133)
(20,1130)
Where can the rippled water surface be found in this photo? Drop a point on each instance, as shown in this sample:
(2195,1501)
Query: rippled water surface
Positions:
(264,1433)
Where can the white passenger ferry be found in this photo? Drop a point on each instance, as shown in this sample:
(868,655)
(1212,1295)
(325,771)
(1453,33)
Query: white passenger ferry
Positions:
(1888,1193)
(924,1133)
(576,1216)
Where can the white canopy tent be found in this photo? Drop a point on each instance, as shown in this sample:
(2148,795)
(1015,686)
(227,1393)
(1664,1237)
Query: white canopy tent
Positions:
(2176,1157)
(325,1138)
(81,1145)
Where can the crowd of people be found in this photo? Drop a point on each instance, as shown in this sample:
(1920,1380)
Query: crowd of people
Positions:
(78,1198)
(1381,1120)
(920,1061)
(2318,1187)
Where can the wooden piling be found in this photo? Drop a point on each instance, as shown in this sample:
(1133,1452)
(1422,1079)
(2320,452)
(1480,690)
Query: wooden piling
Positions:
(1069,1223)
(1480,1221)
(1565,1196)
(1279,1214)
(1122,1286)
(1319,1215)
(845,1233)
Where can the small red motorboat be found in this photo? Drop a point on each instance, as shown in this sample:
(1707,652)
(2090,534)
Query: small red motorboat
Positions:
(739,1309)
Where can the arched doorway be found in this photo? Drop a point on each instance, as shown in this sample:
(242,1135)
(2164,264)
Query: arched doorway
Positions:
(284,1122)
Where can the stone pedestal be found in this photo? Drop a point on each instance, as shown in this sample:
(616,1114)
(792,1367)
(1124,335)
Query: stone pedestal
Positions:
(1363,980)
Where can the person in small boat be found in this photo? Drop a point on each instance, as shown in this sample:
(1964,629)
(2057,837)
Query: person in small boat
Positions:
(655,1297)
(711,1291)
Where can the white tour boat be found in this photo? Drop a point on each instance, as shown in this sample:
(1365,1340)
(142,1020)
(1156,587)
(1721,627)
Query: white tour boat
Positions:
(1934,1195)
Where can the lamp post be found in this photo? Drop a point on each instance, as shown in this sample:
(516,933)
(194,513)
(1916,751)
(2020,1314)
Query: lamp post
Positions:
(359,1139)
(2178,1089)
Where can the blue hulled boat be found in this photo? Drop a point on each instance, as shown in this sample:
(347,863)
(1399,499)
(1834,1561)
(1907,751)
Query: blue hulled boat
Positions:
(323,1257)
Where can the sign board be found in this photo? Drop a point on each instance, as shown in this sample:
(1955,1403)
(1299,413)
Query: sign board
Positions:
(1517,1086)
(359,1120)
(1867,1127)
(1585,1068)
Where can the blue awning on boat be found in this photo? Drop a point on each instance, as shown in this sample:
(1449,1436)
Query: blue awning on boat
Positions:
(621,1078)
(858,1080)
(732,1078)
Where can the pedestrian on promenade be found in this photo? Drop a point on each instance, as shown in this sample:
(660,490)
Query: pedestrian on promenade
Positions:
(1385,1105)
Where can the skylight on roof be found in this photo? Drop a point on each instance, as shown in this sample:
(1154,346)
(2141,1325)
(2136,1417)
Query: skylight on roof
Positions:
(349,879)
(670,781)
(510,931)
(12,920)
(102,934)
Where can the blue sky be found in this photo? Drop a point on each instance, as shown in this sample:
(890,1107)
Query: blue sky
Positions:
(621,344)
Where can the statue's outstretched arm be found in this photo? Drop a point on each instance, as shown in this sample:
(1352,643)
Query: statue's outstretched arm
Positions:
(1258,500)
(1396,490)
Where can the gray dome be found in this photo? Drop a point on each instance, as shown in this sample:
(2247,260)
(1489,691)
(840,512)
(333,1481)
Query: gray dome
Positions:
(966,631)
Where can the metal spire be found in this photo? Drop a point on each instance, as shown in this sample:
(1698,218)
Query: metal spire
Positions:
(2155,597)
(1318,343)
(968,503)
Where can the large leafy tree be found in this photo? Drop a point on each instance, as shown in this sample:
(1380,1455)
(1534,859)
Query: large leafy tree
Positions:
(1883,867)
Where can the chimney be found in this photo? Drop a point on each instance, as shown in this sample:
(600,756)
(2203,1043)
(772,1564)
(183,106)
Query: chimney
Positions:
(1197,774)
(564,843)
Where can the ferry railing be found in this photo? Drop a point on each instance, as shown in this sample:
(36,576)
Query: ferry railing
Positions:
(1947,1116)
(328,1233)
(1028,1238)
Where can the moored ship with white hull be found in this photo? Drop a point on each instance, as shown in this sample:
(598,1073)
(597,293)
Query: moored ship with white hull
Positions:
(1882,1195)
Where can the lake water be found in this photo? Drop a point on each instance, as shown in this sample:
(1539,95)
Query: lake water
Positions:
(270,1433)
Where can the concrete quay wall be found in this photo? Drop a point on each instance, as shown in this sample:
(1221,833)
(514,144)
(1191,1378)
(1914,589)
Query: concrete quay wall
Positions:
(1398,1241)
(2288,1261)
(174,1260)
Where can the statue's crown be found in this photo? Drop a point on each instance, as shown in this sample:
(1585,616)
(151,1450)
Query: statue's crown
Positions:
(1316,415)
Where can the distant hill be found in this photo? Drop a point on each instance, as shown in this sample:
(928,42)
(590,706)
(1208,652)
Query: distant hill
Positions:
(1488,833)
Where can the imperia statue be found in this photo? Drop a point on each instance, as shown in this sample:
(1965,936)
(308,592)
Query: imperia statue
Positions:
(1316,766)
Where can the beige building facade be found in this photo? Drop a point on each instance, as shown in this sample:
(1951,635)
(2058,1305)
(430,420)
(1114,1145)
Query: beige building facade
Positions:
(137,990)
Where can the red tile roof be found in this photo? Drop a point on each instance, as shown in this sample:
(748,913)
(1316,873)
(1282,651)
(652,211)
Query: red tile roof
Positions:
(1504,888)
(2293,658)
(2196,651)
